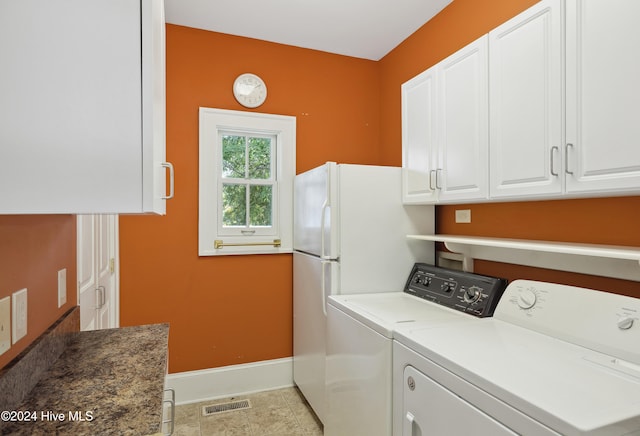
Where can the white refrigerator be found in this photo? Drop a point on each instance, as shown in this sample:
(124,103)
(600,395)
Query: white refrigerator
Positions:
(349,237)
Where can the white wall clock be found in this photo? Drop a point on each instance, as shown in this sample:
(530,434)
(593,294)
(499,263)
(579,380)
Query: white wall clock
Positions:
(250,90)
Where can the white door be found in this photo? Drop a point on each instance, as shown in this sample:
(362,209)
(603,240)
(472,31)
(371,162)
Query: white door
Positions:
(603,68)
(97,278)
(419,138)
(431,409)
(463,123)
(525,101)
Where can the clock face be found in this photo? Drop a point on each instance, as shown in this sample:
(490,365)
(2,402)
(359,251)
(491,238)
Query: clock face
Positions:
(250,90)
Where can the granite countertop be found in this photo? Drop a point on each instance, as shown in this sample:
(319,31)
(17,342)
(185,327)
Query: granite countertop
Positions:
(105,382)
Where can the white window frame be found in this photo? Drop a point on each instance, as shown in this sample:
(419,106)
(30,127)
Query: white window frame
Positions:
(283,128)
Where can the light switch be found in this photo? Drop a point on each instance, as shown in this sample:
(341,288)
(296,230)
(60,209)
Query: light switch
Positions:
(19,315)
(62,287)
(5,324)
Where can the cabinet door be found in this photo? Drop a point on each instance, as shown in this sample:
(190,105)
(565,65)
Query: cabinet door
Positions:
(71,112)
(603,113)
(418,138)
(462,125)
(525,101)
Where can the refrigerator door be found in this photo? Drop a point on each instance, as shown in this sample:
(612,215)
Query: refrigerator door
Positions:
(315,211)
(312,281)
(375,255)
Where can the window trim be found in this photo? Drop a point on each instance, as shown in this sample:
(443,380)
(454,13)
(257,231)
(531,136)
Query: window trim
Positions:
(211,122)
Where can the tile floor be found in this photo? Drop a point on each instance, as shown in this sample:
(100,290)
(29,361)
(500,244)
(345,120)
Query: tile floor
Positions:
(281,412)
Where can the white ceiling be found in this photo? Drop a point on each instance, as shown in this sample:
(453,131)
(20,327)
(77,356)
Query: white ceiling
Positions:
(366,29)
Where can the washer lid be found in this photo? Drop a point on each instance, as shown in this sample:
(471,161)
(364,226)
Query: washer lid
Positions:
(567,387)
(383,312)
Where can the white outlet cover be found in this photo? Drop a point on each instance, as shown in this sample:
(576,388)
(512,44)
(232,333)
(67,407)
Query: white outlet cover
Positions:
(5,324)
(463,216)
(62,287)
(19,315)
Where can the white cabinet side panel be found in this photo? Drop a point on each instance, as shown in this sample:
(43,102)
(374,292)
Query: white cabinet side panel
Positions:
(375,255)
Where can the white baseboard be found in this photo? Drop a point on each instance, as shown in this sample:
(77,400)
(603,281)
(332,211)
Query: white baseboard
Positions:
(227,381)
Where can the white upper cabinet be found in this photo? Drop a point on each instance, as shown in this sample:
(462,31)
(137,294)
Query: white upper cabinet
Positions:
(563,113)
(82,112)
(462,124)
(603,96)
(525,101)
(444,129)
(418,138)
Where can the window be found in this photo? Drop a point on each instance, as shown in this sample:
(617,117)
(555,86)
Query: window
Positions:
(247,165)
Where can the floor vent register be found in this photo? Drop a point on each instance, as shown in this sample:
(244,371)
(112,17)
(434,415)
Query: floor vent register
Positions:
(225,407)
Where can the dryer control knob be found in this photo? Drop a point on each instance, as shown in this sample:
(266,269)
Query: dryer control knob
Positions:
(527,299)
(625,323)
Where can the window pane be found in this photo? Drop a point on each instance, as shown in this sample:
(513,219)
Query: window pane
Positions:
(233,156)
(261,205)
(259,158)
(234,205)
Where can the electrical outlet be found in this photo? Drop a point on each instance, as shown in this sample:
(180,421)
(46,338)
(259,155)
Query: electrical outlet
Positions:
(5,324)
(62,287)
(19,315)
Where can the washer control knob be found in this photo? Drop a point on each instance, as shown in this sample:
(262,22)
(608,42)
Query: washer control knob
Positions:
(625,323)
(527,299)
(472,294)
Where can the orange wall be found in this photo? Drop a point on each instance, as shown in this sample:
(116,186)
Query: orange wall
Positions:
(32,250)
(236,309)
(603,221)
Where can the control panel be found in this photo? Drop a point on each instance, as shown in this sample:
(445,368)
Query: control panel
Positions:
(468,292)
(597,320)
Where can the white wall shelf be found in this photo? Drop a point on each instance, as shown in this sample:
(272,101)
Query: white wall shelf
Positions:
(603,260)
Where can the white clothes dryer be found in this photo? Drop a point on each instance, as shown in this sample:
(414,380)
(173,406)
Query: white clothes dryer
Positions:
(553,360)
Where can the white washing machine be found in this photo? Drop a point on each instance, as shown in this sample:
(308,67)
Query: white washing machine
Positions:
(359,340)
(553,360)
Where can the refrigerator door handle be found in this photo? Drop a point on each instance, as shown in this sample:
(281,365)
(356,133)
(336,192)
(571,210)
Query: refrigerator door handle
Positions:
(323,211)
(322,286)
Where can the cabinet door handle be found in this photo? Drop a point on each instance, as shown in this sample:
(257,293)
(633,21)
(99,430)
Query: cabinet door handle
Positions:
(553,163)
(566,159)
(171,180)
(431,175)
(438,172)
